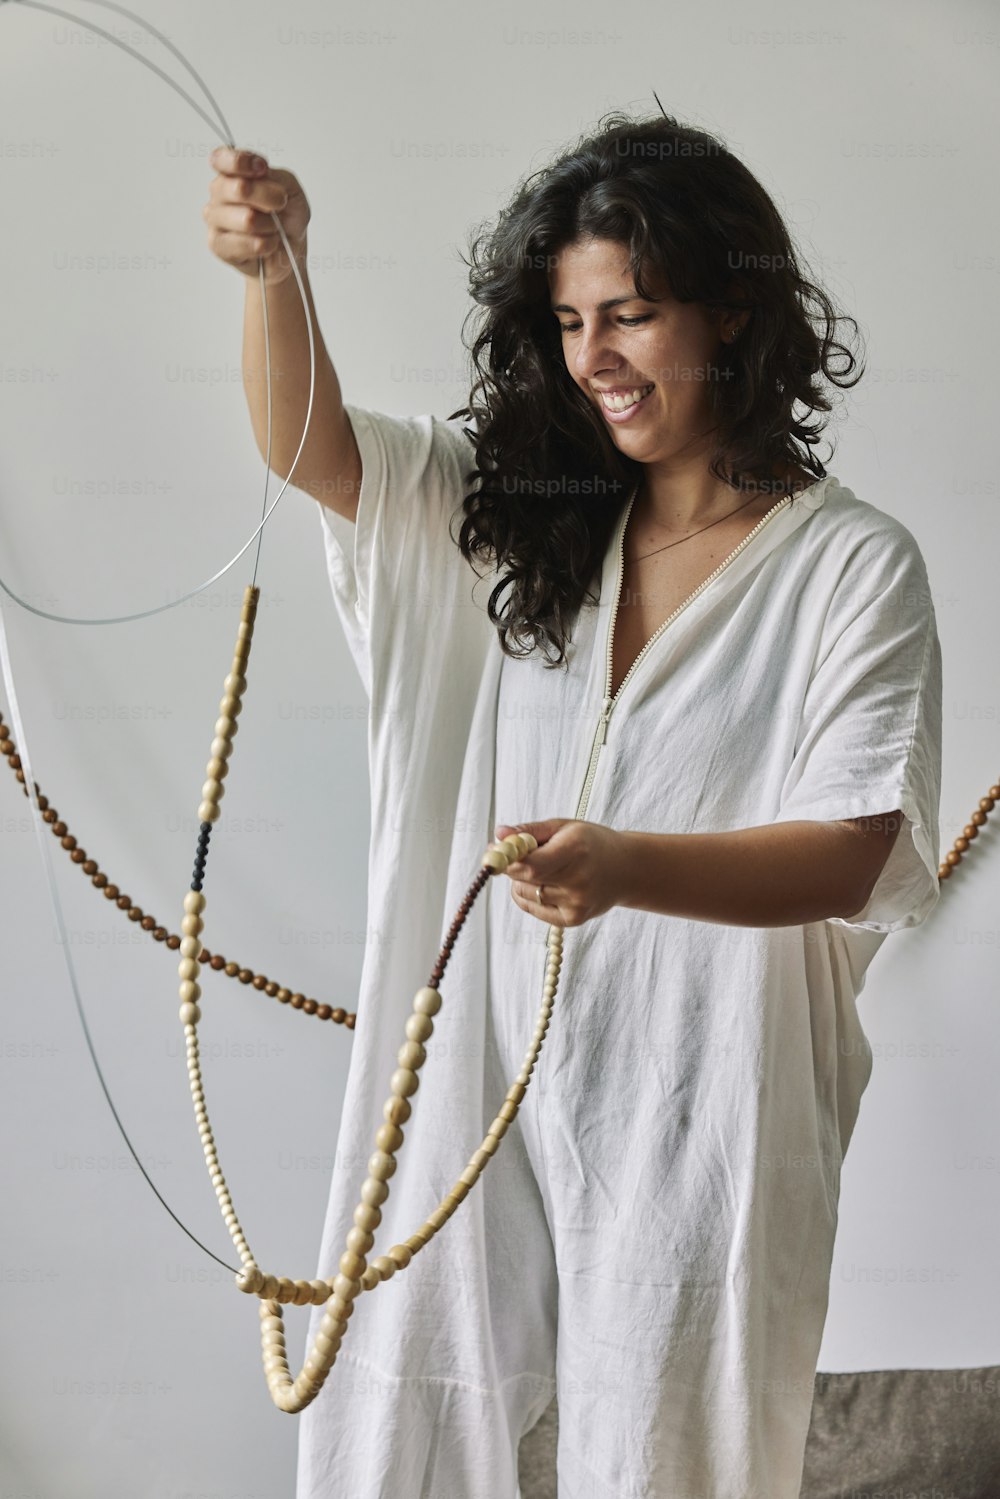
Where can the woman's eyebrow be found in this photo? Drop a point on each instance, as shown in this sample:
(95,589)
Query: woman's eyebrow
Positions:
(601,306)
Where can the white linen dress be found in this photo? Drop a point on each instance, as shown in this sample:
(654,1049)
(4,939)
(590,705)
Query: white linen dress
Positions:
(653,1239)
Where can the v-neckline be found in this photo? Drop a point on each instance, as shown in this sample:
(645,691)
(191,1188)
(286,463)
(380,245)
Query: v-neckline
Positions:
(612,574)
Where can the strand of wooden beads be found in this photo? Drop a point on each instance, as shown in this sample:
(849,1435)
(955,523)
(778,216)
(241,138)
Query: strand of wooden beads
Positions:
(293,1395)
(355,1274)
(194,904)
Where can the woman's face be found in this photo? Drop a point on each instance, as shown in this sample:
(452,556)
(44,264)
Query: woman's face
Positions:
(660,349)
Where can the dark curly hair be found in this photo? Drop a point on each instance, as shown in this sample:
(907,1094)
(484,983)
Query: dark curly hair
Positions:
(684,206)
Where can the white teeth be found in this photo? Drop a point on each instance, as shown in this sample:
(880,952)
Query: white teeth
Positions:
(623,402)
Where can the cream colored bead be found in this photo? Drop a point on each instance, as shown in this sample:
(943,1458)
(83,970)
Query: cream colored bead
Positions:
(327,1345)
(189,991)
(190,947)
(470,1175)
(381,1165)
(250,1280)
(367,1217)
(303,1293)
(351,1264)
(286,1289)
(217,768)
(494,859)
(374,1192)
(208,812)
(402,1254)
(388,1137)
(404,1082)
(189,1014)
(498,1127)
(194,901)
(189,968)
(508,1111)
(339,1309)
(230,706)
(191,924)
(211,791)
(419,1027)
(225,728)
(359,1240)
(346,1286)
(235,684)
(480,1158)
(222,745)
(490,1144)
(396,1110)
(321,1290)
(370,1279)
(269,1288)
(427,1001)
(411,1054)
(385,1266)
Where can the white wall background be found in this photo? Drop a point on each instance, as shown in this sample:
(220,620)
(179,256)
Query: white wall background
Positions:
(128,474)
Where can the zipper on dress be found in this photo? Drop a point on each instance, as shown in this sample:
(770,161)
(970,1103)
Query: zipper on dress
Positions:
(609,703)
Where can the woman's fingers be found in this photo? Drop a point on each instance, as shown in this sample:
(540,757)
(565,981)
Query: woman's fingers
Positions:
(234,162)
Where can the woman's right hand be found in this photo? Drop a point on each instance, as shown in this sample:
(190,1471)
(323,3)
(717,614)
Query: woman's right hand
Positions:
(242,197)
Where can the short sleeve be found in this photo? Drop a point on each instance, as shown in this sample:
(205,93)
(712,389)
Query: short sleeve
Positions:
(396,571)
(869,740)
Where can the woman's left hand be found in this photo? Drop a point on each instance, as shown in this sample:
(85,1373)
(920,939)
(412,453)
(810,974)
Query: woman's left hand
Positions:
(581,864)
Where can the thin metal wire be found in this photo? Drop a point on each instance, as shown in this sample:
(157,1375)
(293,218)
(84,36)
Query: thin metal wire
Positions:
(5,662)
(29,782)
(118,619)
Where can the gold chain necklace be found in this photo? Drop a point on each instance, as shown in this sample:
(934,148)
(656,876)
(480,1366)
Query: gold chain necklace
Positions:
(669,544)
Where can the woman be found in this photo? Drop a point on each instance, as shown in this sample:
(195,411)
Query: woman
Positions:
(713,696)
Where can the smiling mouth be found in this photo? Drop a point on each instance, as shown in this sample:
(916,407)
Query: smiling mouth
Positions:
(623,405)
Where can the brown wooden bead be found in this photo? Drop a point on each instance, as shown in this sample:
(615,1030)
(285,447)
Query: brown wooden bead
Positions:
(59,828)
(111,892)
(173,942)
(339,1016)
(217,961)
(50,814)
(78,855)
(90,866)
(298,1000)
(14,761)
(271,988)
(69,841)
(232,969)
(245,975)
(323,1012)
(259,981)
(135,913)
(148,923)
(123,902)
(349,1022)
(159,933)
(310,1006)
(284,995)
